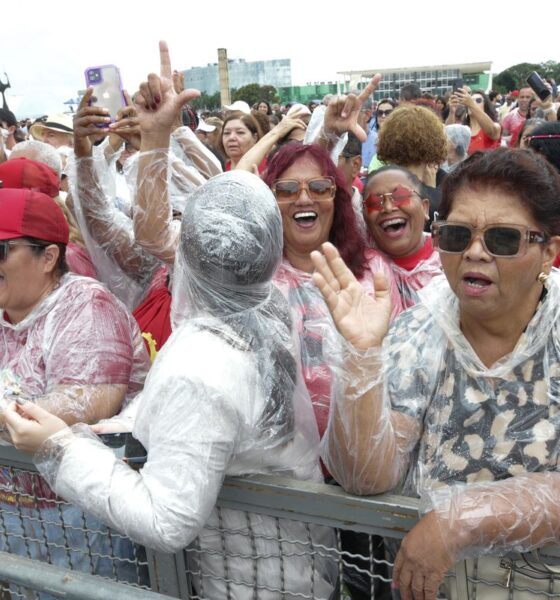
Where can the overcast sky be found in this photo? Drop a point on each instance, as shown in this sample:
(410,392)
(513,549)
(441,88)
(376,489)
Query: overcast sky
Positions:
(46,46)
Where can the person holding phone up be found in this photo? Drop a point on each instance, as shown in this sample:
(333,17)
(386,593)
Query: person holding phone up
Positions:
(481,117)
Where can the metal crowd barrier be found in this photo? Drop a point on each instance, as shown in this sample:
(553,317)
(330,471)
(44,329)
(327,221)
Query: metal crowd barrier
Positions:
(49,549)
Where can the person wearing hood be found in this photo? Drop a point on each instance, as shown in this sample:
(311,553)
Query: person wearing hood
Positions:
(200,423)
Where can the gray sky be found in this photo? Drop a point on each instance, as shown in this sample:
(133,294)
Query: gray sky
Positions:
(49,44)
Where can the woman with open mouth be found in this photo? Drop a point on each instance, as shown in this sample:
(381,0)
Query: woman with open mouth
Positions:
(395,211)
(316,207)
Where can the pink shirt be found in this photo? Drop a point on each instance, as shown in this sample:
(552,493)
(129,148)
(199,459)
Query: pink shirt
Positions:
(79,334)
(512,123)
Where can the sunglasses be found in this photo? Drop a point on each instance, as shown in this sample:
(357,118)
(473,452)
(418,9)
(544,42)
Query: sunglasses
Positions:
(503,241)
(289,190)
(384,113)
(400,196)
(6,244)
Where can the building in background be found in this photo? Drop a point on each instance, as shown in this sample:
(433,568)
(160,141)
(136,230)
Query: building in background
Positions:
(436,79)
(264,72)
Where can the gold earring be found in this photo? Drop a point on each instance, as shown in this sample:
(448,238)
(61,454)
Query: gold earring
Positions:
(542,277)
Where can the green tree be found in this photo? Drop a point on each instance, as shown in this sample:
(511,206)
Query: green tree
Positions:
(206,102)
(515,77)
(253,92)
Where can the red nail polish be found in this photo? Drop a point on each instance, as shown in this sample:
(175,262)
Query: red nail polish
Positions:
(154,106)
(157,99)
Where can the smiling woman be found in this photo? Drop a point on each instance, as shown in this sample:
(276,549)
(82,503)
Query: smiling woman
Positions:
(395,211)
(316,207)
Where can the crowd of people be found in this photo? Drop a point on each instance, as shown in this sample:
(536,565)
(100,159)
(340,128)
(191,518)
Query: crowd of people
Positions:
(356,292)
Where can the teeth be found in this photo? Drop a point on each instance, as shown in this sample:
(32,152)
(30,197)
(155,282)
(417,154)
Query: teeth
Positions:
(305,215)
(391,222)
(479,283)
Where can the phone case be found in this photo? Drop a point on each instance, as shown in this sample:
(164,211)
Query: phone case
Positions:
(108,92)
(538,85)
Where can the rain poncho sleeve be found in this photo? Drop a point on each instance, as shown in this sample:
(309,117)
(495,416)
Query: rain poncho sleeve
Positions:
(314,326)
(166,178)
(482,442)
(78,353)
(122,264)
(223,397)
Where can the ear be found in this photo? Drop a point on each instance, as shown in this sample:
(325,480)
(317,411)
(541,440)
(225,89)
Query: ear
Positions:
(50,258)
(356,163)
(550,252)
(426,208)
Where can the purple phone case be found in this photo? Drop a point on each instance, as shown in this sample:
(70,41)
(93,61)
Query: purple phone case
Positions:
(108,91)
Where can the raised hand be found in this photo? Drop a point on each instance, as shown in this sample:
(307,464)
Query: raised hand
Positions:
(126,126)
(157,103)
(343,111)
(89,121)
(361,319)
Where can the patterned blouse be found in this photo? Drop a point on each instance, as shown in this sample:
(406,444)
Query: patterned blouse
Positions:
(477,424)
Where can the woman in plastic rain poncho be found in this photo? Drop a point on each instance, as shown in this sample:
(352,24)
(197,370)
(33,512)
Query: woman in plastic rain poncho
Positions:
(224,397)
(460,403)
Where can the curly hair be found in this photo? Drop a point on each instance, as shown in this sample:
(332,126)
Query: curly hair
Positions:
(344,233)
(412,135)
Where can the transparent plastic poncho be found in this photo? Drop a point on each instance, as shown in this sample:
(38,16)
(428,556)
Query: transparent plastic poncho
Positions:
(78,353)
(127,249)
(424,416)
(224,397)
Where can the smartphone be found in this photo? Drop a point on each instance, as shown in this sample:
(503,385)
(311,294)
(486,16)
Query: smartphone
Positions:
(458,84)
(538,85)
(108,92)
(126,446)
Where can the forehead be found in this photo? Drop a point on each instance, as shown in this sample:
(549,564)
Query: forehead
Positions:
(303,169)
(384,106)
(525,92)
(481,206)
(235,124)
(388,181)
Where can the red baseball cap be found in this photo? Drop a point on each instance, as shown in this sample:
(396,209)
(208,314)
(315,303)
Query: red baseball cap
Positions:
(26,213)
(29,174)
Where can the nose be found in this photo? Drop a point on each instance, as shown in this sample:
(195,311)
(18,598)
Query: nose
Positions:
(388,205)
(476,250)
(303,196)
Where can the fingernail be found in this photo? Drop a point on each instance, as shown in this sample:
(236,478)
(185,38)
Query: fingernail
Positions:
(157,99)
(154,106)
(147,107)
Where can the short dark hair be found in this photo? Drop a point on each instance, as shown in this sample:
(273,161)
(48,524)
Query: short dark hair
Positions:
(61,267)
(523,174)
(353,147)
(8,117)
(410,91)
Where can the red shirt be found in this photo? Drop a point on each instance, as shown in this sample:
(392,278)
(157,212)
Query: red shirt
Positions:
(482,141)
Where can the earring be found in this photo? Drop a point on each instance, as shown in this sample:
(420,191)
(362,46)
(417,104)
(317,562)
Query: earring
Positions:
(542,277)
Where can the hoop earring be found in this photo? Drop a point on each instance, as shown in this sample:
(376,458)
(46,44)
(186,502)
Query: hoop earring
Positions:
(542,277)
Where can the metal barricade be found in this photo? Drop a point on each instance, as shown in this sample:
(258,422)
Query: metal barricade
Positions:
(269,538)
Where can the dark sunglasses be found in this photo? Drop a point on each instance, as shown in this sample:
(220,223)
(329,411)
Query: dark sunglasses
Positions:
(400,196)
(504,241)
(6,244)
(288,190)
(384,113)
